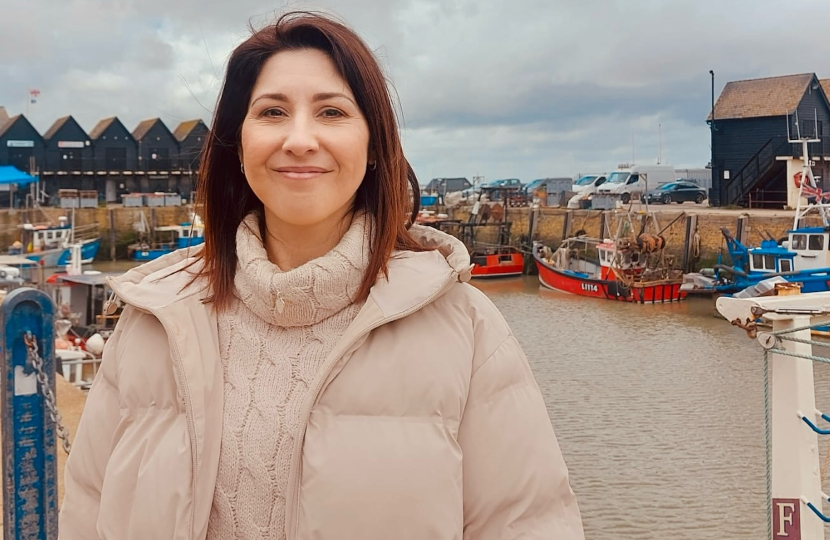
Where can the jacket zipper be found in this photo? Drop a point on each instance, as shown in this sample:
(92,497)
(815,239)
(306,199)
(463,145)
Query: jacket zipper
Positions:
(296,495)
(175,355)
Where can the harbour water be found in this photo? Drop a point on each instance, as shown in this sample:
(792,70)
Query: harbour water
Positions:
(659,410)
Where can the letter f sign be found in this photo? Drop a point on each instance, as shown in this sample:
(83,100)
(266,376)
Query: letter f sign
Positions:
(786,522)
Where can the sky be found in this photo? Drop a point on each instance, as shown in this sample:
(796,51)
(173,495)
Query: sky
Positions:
(496,89)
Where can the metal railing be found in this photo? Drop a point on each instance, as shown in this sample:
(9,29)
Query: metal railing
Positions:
(755,169)
(784,327)
(105,166)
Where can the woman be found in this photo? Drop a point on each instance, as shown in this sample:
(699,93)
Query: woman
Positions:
(318,369)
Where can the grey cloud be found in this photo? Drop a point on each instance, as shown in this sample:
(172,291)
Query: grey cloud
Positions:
(536,87)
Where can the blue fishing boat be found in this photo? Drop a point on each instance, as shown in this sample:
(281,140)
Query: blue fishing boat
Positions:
(49,245)
(167,239)
(803,256)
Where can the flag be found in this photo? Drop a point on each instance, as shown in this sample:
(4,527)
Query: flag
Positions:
(33,95)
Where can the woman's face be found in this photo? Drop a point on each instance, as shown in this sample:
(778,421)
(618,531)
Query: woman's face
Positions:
(304,141)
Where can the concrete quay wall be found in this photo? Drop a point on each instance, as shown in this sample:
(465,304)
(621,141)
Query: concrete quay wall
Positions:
(115,223)
(550,228)
(117,230)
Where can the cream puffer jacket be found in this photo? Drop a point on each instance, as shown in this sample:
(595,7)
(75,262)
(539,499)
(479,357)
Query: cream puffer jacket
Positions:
(424,422)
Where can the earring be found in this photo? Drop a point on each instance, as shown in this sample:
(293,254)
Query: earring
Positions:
(242,168)
(373,165)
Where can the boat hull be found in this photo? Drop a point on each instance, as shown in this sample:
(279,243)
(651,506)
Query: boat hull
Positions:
(50,258)
(498,265)
(89,249)
(144,255)
(608,289)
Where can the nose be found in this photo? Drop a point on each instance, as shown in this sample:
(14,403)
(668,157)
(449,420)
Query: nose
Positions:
(301,136)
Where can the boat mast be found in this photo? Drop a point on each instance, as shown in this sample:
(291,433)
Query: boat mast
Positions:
(807,178)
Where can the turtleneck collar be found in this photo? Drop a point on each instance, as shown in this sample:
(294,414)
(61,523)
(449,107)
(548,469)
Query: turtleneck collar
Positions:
(304,295)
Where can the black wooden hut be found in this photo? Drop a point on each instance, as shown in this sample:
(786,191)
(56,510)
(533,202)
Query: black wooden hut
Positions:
(750,145)
(21,145)
(191,136)
(158,156)
(115,157)
(114,148)
(68,148)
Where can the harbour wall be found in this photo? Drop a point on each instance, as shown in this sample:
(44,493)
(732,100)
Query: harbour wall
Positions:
(116,223)
(555,224)
(117,229)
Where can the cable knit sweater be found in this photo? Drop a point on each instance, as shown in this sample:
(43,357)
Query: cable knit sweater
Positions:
(273,340)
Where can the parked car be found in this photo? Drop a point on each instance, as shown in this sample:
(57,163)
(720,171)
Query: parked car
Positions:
(503,182)
(678,191)
(442,186)
(631,181)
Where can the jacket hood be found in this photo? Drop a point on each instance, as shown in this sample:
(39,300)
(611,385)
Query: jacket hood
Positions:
(414,277)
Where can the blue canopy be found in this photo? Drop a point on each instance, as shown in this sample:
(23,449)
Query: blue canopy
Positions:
(10,174)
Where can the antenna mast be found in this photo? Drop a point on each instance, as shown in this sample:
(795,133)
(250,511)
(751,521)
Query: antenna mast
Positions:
(805,179)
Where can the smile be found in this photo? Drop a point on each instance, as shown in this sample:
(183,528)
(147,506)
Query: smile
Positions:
(301,173)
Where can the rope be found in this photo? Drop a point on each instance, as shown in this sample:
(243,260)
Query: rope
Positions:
(768,443)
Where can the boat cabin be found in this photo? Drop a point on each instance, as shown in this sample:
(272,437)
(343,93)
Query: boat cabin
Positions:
(183,235)
(811,247)
(771,258)
(40,238)
(611,258)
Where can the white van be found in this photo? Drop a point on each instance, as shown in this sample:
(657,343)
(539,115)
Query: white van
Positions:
(585,187)
(633,181)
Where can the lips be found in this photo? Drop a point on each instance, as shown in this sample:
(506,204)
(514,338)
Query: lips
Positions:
(301,173)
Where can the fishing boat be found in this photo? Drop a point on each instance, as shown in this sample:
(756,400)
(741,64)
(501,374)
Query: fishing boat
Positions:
(499,259)
(496,262)
(49,245)
(803,256)
(629,267)
(168,238)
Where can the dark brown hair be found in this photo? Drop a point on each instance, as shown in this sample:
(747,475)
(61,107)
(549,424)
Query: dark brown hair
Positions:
(389,192)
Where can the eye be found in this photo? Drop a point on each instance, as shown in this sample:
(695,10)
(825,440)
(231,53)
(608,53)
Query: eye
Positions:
(272,113)
(331,112)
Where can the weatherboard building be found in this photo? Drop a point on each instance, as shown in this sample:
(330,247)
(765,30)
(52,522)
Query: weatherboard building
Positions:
(109,159)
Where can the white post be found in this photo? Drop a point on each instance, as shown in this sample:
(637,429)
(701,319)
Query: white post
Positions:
(796,478)
(795,475)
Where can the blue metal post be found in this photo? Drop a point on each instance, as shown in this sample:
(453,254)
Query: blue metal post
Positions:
(30,499)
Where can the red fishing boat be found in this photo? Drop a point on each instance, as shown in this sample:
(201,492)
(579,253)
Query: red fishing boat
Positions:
(628,269)
(500,261)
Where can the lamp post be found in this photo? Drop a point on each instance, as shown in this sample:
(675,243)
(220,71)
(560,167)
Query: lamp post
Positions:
(716,186)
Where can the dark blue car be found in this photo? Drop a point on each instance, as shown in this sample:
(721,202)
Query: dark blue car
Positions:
(678,191)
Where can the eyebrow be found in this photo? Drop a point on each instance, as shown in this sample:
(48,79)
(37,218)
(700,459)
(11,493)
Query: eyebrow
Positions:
(316,97)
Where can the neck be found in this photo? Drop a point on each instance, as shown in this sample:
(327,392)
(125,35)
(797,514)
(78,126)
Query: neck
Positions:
(290,246)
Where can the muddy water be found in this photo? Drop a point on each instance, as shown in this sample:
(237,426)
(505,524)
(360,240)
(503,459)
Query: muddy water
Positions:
(658,409)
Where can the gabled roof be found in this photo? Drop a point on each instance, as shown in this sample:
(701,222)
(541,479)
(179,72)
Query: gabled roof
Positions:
(55,127)
(825,84)
(101,127)
(772,96)
(3,115)
(184,129)
(143,127)
(4,126)
(13,120)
